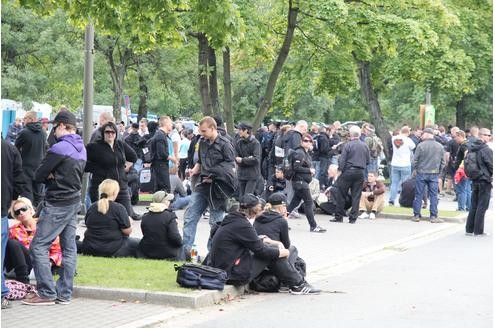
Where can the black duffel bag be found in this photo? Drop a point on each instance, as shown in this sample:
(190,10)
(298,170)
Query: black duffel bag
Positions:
(200,276)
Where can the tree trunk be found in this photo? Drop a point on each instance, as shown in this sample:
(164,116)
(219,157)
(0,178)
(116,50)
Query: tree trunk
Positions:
(371,101)
(277,68)
(203,74)
(227,92)
(143,95)
(213,80)
(460,118)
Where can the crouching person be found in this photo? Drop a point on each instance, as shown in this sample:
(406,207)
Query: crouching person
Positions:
(237,249)
(372,197)
(161,237)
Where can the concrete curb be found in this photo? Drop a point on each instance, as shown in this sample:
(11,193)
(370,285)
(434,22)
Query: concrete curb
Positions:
(194,299)
(461,218)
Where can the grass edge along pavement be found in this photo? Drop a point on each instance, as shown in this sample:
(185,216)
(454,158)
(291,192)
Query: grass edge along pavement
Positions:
(141,281)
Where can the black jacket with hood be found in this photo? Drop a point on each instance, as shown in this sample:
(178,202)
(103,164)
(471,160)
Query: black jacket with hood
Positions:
(32,144)
(301,164)
(233,246)
(13,179)
(250,150)
(273,225)
(485,159)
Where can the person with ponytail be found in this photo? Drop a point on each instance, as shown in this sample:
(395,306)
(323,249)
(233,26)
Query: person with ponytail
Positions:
(108,226)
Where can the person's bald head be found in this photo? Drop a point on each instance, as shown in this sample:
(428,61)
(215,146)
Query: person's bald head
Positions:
(485,135)
(302,126)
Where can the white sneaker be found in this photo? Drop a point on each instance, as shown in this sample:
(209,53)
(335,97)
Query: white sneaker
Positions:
(372,216)
(363,215)
(294,215)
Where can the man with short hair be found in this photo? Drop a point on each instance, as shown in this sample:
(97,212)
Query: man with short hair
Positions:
(216,181)
(143,127)
(482,185)
(290,141)
(103,119)
(353,160)
(161,154)
(31,142)
(61,171)
(372,197)
(428,162)
(248,158)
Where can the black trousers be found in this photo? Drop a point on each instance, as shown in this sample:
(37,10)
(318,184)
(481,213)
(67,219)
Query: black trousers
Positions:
(480,199)
(247,187)
(17,258)
(323,178)
(161,175)
(34,188)
(302,192)
(349,179)
(283,268)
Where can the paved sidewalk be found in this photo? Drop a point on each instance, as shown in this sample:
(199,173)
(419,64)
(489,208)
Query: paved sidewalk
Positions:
(342,242)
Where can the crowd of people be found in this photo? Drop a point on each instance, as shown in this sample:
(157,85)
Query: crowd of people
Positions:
(247,184)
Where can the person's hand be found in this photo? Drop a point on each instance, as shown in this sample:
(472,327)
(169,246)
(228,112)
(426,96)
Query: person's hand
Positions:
(238,160)
(313,171)
(283,253)
(50,177)
(270,188)
(147,165)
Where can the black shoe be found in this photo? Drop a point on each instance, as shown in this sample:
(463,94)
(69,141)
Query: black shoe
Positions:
(304,289)
(337,220)
(136,217)
(352,221)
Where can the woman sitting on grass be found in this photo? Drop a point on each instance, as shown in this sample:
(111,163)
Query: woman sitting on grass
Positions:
(108,226)
(161,237)
(20,236)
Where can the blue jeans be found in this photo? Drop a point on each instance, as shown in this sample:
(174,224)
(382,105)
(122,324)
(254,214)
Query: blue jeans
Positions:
(5,237)
(316,166)
(138,165)
(398,175)
(53,222)
(197,206)
(179,203)
(463,190)
(429,180)
(371,167)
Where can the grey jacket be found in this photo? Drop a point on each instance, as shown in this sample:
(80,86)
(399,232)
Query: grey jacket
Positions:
(429,157)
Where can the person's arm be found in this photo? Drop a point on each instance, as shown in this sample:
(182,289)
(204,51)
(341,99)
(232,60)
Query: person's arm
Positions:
(254,159)
(130,154)
(284,233)
(20,140)
(298,162)
(173,234)
(343,158)
(380,188)
(47,166)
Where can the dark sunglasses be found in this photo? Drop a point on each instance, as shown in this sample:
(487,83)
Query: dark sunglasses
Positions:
(306,140)
(488,135)
(109,132)
(22,209)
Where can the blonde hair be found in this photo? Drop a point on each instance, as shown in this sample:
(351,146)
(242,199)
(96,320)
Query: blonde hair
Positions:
(23,200)
(275,208)
(209,122)
(107,190)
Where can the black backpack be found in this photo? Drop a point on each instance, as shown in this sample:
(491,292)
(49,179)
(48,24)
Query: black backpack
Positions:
(265,282)
(471,166)
(288,165)
(148,151)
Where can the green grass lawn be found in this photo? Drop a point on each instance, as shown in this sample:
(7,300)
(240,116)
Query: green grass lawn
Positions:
(424,212)
(152,275)
(145,197)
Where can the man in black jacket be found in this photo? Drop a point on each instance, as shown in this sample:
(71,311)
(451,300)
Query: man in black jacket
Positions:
(32,143)
(482,186)
(216,180)
(237,249)
(13,185)
(61,171)
(303,174)
(324,152)
(248,157)
(161,154)
(352,163)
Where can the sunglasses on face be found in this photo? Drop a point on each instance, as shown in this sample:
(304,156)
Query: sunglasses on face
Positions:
(306,140)
(488,135)
(109,132)
(22,209)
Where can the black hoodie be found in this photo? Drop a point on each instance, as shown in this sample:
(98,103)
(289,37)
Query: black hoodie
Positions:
(274,226)
(486,164)
(13,180)
(32,145)
(232,245)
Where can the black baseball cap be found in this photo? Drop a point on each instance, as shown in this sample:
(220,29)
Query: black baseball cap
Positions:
(277,198)
(248,201)
(65,117)
(244,126)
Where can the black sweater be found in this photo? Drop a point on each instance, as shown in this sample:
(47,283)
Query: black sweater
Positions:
(301,164)
(232,245)
(32,144)
(161,237)
(13,180)
(274,226)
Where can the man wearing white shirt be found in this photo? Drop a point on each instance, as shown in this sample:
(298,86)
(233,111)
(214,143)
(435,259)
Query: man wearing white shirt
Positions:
(402,147)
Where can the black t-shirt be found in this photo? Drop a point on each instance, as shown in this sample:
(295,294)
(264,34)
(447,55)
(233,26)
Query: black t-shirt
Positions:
(103,236)
(452,147)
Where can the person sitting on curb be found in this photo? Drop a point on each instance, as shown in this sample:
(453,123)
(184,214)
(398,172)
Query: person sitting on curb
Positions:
(21,235)
(161,237)
(372,197)
(237,249)
(108,226)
